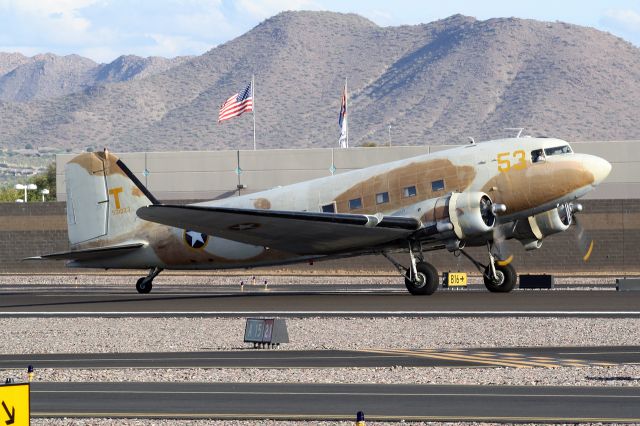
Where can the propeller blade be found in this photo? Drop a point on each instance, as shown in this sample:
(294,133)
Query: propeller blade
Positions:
(584,241)
(500,247)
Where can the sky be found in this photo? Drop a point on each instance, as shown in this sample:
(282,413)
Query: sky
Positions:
(105,29)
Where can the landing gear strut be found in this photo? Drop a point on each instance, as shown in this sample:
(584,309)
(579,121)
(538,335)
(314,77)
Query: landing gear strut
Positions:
(145,284)
(498,277)
(421,278)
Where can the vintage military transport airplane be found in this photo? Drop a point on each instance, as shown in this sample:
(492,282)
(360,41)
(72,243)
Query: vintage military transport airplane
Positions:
(473,195)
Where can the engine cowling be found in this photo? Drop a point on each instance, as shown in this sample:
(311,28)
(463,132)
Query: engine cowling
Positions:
(532,231)
(460,215)
(471,214)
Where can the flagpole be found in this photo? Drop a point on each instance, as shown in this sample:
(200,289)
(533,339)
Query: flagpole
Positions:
(253,93)
(346,108)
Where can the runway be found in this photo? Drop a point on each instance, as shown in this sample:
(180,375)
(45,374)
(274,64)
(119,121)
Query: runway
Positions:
(88,302)
(537,357)
(337,402)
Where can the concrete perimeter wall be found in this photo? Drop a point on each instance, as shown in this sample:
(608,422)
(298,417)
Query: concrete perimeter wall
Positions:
(216,174)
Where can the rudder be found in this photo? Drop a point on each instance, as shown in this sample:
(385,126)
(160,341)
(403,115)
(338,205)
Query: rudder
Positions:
(102,200)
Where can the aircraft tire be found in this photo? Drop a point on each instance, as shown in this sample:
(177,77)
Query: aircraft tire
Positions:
(428,282)
(508,278)
(144,286)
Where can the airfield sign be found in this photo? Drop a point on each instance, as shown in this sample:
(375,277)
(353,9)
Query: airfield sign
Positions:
(14,404)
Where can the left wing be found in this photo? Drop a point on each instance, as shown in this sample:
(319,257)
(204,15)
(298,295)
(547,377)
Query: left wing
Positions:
(302,233)
(91,254)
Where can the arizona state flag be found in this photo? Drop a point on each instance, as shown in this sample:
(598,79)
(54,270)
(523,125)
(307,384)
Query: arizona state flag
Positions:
(342,119)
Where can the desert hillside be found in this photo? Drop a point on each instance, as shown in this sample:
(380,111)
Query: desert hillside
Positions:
(432,83)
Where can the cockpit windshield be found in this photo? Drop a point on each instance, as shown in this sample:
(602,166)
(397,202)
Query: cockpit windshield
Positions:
(558,150)
(542,154)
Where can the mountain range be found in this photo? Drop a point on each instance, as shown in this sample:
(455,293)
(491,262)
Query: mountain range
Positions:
(432,83)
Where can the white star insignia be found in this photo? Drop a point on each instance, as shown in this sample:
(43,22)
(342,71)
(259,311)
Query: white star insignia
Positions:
(195,237)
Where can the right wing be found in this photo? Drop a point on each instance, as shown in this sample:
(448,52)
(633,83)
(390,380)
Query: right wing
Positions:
(304,233)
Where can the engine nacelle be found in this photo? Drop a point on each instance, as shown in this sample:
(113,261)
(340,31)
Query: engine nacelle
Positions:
(471,214)
(459,215)
(531,232)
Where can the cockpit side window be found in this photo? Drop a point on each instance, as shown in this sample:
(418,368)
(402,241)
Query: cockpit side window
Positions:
(558,150)
(537,155)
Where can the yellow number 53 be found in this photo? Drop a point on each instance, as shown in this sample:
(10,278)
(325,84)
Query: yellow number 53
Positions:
(505,160)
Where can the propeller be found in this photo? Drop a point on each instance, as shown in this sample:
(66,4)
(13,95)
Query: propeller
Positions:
(501,249)
(504,255)
(583,239)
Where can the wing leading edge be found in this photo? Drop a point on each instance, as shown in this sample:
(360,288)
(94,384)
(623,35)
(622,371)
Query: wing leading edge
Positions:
(302,233)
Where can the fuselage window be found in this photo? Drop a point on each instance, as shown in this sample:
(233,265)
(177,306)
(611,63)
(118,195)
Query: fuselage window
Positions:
(558,150)
(356,203)
(382,197)
(537,156)
(437,185)
(409,191)
(329,208)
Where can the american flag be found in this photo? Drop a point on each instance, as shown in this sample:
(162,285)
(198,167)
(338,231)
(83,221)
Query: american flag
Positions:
(237,104)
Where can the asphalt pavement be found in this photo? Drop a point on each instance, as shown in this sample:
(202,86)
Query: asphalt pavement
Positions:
(264,358)
(337,402)
(295,304)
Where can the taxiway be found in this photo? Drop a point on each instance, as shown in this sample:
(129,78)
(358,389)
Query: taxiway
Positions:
(337,402)
(518,357)
(83,302)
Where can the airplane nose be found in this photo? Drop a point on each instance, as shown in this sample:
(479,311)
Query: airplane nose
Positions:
(598,166)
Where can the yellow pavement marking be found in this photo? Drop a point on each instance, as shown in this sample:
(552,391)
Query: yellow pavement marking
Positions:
(449,356)
(499,359)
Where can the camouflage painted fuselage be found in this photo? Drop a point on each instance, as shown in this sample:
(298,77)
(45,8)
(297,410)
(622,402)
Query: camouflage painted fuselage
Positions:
(503,169)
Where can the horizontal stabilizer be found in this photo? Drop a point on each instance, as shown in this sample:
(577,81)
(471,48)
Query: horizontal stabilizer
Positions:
(290,231)
(90,254)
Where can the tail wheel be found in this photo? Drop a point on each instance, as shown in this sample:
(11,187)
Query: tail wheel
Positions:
(144,285)
(506,278)
(426,281)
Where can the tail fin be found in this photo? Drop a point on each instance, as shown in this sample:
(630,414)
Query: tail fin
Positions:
(102,198)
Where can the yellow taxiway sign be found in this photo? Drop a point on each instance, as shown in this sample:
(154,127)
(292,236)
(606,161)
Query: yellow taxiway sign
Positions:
(15,404)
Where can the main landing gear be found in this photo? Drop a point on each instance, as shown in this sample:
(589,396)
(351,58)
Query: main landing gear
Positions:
(145,284)
(421,278)
(498,276)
